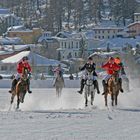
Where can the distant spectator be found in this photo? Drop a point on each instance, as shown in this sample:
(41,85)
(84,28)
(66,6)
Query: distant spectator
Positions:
(12,77)
(71,77)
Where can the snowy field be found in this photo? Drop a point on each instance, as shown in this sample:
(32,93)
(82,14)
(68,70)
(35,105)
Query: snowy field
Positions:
(45,117)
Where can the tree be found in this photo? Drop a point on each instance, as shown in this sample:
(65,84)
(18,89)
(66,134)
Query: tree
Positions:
(83,47)
(122,10)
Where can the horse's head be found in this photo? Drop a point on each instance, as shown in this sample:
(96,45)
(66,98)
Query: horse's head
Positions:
(89,78)
(25,73)
(115,77)
(113,82)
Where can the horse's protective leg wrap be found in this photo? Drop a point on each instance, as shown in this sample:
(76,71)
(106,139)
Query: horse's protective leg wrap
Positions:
(120,83)
(28,86)
(82,84)
(104,87)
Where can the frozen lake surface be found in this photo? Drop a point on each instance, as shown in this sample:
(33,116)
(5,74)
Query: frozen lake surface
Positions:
(45,117)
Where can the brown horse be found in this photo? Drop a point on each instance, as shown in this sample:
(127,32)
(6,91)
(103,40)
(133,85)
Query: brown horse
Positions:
(21,88)
(113,88)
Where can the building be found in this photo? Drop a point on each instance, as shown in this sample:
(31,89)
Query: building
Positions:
(8,18)
(38,63)
(69,45)
(106,32)
(28,36)
(10,50)
(134,29)
(136,17)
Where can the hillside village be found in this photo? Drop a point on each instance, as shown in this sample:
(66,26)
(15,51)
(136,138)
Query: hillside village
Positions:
(69,46)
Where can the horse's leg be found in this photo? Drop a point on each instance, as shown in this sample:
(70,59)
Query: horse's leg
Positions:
(112,98)
(57,92)
(60,92)
(86,98)
(105,96)
(92,97)
(18,100)
(116,98)
(23,96)
(12,98)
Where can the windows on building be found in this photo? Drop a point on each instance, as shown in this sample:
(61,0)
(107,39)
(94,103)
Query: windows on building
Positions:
(4,68)
(65,44)
(77,44)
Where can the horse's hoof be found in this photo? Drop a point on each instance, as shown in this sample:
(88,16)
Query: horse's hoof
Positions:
(22,101)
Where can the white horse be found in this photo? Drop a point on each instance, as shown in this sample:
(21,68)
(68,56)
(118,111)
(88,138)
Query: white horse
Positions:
(59,84)
(89,88)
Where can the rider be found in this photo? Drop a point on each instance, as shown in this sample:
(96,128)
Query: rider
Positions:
(111,67)
(22,64)
(89,66)
(119,62)
(122,73)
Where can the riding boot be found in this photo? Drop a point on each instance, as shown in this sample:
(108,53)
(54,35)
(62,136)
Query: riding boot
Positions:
(120,83)
(82,86)
(97,86)
(104,87)
(14,82)
(28,86)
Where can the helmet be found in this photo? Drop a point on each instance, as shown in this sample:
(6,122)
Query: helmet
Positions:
(25,58)
(111,58)
(90,58)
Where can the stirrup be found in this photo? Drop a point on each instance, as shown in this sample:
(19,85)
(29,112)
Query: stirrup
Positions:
(29,91)
(103,93)
(10,91)
(121,90)
(98,91)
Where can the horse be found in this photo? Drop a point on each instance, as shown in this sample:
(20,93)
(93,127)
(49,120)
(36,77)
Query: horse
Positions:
(59,84)
(89,88)
(113,88)
(21,88)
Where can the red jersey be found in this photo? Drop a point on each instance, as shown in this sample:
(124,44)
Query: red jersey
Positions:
(22,65)
(111,68)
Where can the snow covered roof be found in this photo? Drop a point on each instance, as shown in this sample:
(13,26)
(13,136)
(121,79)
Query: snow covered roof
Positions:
(4,11)
(15,28)
(118,43)
(138,22)
(136,13)
(104,54)
(107,28)
(10,40)
(33,57)
(63,34)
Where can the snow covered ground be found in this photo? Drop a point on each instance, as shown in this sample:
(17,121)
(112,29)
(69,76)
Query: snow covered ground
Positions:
(45,117)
